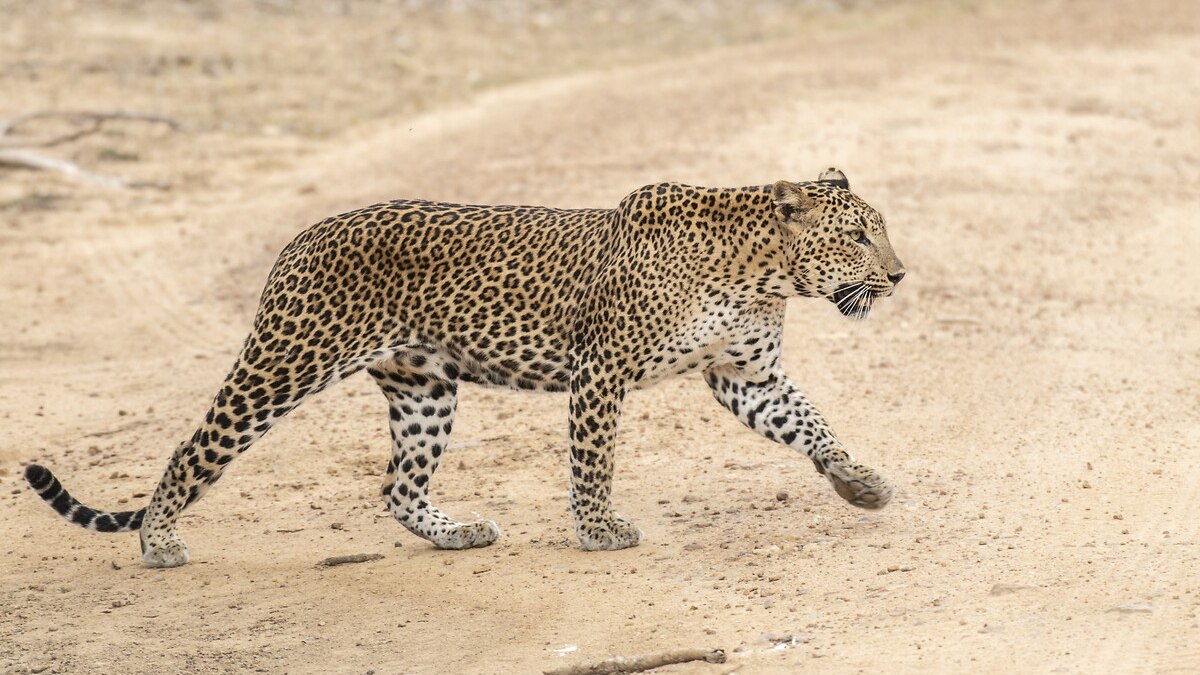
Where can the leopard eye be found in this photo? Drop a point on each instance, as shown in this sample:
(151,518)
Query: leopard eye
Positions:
(861,237)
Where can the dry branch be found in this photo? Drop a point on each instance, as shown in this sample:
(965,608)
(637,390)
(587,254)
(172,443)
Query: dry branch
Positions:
(16,152)
(637,664)
(346,559)
(90,122)
(27,159)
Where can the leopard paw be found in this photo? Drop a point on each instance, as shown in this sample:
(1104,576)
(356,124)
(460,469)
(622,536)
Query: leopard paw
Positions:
(168,552)
(609,533)
(859,485)
(467,535)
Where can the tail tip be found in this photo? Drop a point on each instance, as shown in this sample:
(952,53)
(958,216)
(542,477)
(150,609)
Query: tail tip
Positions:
(37,476)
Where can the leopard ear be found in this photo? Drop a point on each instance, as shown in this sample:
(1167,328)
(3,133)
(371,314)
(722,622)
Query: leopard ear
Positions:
(790,200)
(835,176)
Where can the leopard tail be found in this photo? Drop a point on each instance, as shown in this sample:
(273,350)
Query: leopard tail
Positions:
(53,493)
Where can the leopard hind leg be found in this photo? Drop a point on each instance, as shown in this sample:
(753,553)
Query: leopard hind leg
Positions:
(422,393)
(256,394)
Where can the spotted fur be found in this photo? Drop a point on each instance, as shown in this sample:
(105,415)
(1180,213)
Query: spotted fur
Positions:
(594,302)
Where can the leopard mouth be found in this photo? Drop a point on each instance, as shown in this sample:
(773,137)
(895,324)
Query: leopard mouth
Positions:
(854,300)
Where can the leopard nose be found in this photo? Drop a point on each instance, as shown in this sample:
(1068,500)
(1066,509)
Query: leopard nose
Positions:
(895,278)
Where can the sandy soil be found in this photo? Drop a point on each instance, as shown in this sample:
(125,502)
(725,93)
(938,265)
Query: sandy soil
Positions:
(1032,389)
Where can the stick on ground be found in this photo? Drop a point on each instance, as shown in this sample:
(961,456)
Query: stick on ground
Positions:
(637,664)
(16,152)
(355,558)
(28,159)
(86,122)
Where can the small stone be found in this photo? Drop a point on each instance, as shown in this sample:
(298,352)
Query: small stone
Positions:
(788,639)
(336,526)
(781,496)
(1005,589)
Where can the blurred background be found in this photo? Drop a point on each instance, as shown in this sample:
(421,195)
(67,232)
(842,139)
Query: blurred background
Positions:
(1031,389)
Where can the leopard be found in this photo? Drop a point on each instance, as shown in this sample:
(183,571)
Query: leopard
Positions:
(595,303)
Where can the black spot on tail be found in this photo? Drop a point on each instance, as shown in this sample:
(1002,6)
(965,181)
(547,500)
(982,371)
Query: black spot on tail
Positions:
(83,516)
(105,523)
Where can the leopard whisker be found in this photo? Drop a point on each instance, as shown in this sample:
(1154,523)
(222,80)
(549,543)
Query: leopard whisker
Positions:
(854,298)
(848,301)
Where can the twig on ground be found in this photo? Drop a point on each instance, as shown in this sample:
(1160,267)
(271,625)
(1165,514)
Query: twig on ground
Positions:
(16,151)
(113,432)
(477,442)
(346,559)
(89,121)
(637,664)
(27,159)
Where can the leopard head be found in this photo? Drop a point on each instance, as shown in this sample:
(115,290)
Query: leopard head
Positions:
(836,244)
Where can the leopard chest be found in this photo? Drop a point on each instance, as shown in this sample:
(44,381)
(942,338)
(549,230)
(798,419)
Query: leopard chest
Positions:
(747,337)
(696,345)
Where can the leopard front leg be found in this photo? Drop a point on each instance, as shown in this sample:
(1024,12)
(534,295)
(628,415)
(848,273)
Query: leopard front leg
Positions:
(421,407)
(779,411)
(594,414)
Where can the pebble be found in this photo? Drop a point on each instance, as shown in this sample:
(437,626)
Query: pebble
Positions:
(1005,589)
(781,496)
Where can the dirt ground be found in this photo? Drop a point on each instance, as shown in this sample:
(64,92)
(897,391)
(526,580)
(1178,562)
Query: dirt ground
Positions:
(1032,389)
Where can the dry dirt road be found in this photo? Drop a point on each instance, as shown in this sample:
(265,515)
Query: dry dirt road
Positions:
(1032,389)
